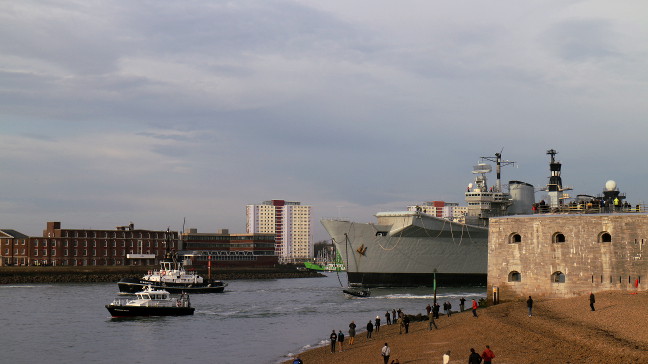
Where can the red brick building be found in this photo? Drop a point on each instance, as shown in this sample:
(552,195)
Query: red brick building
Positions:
(124,245)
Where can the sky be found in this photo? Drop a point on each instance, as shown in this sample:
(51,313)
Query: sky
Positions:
(173,113)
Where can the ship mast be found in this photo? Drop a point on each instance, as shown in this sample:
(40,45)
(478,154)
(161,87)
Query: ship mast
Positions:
(498,168)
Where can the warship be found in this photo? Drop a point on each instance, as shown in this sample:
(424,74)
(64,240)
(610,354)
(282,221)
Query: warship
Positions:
(419,247)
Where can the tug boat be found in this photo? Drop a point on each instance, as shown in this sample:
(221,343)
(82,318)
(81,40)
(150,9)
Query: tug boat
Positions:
(173,278)
(151,302)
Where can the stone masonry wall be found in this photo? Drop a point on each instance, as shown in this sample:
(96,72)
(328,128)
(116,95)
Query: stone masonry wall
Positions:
(531,245)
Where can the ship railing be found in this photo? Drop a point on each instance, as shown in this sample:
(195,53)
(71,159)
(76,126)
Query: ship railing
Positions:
(584,208)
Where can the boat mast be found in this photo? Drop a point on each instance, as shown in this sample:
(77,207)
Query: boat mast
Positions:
(498,169)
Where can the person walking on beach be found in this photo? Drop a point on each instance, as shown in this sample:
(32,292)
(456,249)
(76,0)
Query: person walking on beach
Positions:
(592,300)
(431,319)
(474,358)
(474,307)
(446,357)
(385,352)
(401,325)
(488,355)
(462,304)
(406,322)
(340,340)
(387,318)
(352,327)
(377,324)
(530,306)
(445,307)
(449,308)
(333,338)
(369,329)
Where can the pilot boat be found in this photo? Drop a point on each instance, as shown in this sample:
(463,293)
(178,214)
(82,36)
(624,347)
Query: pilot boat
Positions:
(151,302)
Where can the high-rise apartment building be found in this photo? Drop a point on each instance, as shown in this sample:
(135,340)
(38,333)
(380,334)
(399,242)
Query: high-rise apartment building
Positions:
(289,221)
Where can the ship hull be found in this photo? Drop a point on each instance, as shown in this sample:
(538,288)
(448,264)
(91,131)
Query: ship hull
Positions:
(406,249)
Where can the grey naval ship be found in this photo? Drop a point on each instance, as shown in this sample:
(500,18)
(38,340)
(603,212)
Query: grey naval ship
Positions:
(419,247)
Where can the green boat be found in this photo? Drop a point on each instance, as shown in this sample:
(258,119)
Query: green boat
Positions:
(330,267)
(324,263)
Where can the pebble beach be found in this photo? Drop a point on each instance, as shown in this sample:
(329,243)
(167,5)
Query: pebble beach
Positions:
(560,331)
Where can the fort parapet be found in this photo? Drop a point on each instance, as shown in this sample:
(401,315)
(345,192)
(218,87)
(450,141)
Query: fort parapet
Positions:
(565,255)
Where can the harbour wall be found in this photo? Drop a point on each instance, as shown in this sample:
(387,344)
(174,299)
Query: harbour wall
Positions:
(566,255)
(18,275)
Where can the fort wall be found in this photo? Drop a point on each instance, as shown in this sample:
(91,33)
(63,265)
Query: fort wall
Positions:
(566,255)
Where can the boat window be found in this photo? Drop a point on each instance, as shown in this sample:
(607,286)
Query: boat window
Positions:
(558,277)
(604,237)
(514,276)
(515,238)
(558,238)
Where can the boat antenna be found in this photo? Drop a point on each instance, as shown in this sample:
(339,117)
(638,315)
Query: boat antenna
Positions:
(499,164)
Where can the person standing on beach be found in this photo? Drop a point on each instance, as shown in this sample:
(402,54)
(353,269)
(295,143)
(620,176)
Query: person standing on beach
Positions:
(340,339)
(401,325)
(387,318)
(474,358)
(428,309)
(369,329)
(449,308)
(333,338)
(474,308)
(592,300)
(394,318)
(446,357)
(377,324)
(406,322)
(462,304)
(431,319)
(352,327)
(488,355)
(436,309)
(385,352)
(530,306)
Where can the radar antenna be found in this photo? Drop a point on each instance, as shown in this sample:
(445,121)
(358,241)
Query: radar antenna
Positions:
(499,163)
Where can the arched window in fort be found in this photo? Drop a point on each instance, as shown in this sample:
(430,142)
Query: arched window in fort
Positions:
(604,237)
(558,277)
(558,238)
(515,238)
(514,276)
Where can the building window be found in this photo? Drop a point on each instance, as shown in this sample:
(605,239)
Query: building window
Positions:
(515,238)
(558,277)
(604,237)
(514,276)
(558,238)
(53,252)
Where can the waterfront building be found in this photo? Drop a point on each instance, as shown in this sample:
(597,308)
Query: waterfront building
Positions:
(14,247)
(291,224)
(229,250)
(123,245)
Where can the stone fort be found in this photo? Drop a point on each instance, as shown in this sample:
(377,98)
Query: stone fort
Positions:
(563,255)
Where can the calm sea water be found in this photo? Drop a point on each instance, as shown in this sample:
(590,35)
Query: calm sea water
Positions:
(255,321)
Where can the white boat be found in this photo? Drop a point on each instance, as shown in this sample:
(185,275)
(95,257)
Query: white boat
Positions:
(172,277)
(151,302)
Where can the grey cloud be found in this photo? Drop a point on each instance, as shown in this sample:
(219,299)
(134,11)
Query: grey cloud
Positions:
(582,40)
